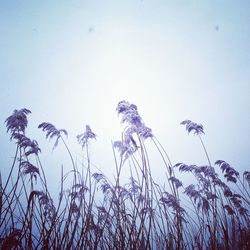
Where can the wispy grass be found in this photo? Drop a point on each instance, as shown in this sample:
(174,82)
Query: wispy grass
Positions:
(98,212)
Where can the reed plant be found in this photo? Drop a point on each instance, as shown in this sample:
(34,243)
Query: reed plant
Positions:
(94,211)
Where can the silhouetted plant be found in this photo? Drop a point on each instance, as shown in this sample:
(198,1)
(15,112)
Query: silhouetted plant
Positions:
(94,212)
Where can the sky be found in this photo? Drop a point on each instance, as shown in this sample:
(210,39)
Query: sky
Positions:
(71,62)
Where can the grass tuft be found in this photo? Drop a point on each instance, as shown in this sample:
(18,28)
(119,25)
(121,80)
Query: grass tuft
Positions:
(94,212)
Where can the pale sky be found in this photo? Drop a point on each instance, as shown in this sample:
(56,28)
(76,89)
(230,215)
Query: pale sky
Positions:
(70,62)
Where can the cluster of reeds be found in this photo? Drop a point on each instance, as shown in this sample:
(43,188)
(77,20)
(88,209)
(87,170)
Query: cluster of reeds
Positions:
(95,212)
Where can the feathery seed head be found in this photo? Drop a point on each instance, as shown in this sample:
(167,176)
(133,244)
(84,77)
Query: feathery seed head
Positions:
(17,122)
(192,126)
(86,136)
(52,131)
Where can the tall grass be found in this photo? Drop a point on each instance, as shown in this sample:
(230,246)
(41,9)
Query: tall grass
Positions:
(94,212)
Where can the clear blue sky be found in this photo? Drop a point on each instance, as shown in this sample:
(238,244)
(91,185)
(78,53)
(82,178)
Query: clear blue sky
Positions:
(70,62)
